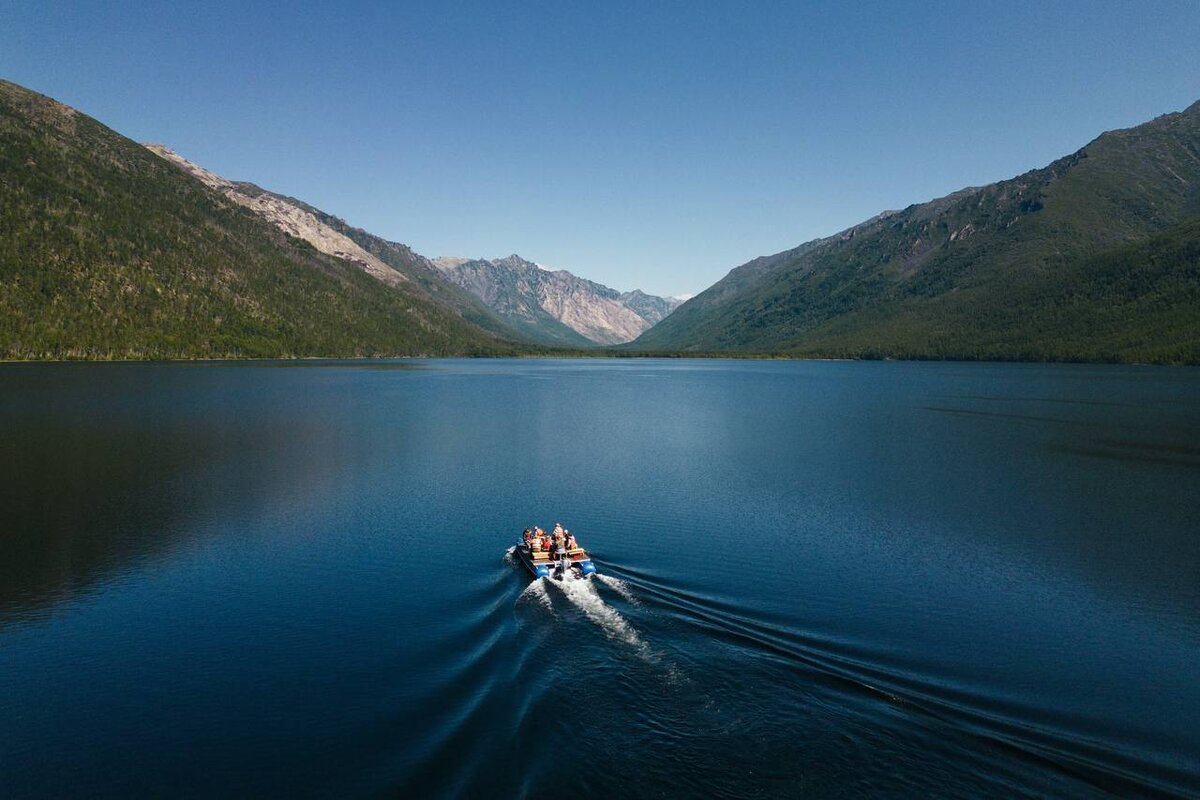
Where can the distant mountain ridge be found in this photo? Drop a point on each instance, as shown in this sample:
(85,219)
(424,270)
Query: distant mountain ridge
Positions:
(1089,258)
(390,262)
(510,297)
(556,306)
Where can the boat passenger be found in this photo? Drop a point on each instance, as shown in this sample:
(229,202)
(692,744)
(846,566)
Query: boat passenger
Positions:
(526,536)
(547,543)
(571,543)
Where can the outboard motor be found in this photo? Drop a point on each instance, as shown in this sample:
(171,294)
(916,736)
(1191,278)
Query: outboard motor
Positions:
(561,553)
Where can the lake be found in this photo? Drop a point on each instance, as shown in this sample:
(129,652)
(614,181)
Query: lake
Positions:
(818,579)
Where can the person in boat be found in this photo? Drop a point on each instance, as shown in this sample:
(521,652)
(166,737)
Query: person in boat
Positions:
(527,536)
(547,542)
(560,543)
(571,543)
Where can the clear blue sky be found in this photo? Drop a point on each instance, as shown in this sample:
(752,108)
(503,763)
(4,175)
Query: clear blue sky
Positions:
(644,145)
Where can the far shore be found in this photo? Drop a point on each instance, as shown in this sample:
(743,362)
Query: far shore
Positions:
(598,354)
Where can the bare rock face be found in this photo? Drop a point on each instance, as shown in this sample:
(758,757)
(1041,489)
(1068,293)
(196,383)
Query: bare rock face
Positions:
(604,320)
(288,216)
(538,299)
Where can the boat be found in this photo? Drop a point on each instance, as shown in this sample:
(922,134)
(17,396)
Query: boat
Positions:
(569,563)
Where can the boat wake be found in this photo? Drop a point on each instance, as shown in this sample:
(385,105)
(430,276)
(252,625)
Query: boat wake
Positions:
(536,593)
(620,587)
(583,595)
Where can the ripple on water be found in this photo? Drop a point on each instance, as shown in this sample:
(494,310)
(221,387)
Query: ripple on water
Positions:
(620,587)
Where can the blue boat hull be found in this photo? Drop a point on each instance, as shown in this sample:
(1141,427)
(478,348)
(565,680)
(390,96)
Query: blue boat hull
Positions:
(580,567)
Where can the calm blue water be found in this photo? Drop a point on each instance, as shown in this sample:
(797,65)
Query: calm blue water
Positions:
(820,579)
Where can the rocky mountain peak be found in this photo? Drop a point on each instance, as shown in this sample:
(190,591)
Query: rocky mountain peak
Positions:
(514,261)
(532,296)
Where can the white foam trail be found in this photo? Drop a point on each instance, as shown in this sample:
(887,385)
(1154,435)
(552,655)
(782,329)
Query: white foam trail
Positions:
(585,597)
(510,555)
(619,586)
(536,592)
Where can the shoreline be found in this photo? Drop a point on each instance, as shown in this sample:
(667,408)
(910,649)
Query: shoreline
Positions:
(600,356)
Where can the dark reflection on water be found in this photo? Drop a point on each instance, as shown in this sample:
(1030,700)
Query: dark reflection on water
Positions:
(819,579)
(103,469)
(318,363)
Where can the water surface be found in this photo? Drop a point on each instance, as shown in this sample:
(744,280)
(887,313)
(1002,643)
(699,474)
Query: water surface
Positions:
(819,579)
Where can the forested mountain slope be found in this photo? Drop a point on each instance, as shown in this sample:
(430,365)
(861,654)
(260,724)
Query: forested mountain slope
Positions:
(1089,258)
(109,251)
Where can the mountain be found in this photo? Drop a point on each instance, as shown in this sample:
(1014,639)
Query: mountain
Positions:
(391,262)
(1092,257)
(109,251)
(287,215)
(554,306)
(650,307)
(509,297)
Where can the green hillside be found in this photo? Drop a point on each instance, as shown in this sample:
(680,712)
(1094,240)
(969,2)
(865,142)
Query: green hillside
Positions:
(1090,258)
(108,251)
